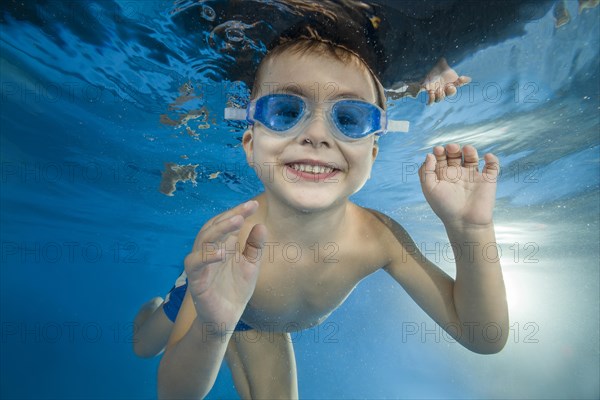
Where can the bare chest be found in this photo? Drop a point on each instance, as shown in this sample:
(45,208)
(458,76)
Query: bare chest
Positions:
(299,286)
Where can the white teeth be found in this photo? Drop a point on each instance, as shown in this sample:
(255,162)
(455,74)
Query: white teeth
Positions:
(314,169)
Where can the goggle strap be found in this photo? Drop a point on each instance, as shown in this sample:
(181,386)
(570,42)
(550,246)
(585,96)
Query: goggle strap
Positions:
(235,114)
(397,126)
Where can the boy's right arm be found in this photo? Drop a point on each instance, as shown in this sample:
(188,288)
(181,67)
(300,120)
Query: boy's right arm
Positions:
(193,356)
(220,285)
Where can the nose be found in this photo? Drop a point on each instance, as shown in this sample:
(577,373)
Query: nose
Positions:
(316,132)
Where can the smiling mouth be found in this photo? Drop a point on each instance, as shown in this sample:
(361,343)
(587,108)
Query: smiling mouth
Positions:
(311,169)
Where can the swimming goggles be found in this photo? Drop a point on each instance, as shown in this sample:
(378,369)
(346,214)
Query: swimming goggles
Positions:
(351,119)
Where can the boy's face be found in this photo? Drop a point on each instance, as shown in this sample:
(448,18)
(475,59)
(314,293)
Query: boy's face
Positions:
(281,161)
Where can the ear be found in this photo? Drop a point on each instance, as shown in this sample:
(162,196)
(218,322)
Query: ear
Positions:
(374,152)
(248,144)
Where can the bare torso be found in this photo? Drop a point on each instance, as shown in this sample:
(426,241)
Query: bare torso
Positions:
(300,284)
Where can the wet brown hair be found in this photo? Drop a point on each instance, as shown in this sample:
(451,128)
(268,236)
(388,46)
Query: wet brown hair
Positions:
(321,47)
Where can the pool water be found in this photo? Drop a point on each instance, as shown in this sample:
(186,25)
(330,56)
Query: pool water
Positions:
(96,97)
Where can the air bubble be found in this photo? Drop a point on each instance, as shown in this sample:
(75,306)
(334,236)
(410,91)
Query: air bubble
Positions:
(235,32)
(231,37)
(208,13)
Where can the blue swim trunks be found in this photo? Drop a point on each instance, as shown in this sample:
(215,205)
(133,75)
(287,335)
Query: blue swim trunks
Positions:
(174,298)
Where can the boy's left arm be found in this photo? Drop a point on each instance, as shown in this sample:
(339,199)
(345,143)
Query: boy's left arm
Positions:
(472,308)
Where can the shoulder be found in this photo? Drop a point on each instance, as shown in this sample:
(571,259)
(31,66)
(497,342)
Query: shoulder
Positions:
(390,238)
(388,226)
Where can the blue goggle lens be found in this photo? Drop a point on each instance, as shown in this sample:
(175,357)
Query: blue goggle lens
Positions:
(279,112)
(356,119)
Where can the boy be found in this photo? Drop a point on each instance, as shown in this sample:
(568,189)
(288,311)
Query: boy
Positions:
(315,115)
(155,319)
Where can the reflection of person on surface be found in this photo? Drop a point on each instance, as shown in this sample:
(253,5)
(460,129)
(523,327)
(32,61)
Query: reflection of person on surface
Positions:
(311,154)
(440,82)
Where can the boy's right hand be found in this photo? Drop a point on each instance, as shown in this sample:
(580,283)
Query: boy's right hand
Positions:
(222,277)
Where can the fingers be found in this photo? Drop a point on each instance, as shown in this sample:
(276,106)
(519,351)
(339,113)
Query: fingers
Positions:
(218,230)
(438,90)
(208,248)
(245,210)
(449,90)
(491,168)
(229,221)
(453,156)
(462,80)
(440,157)
(470,157)
(221,227)
(427,172)
(199,259)
(255,242)
(434,95)
(430,97)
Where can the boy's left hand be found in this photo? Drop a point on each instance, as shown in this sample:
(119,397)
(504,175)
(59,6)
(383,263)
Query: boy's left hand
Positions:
(457,192)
